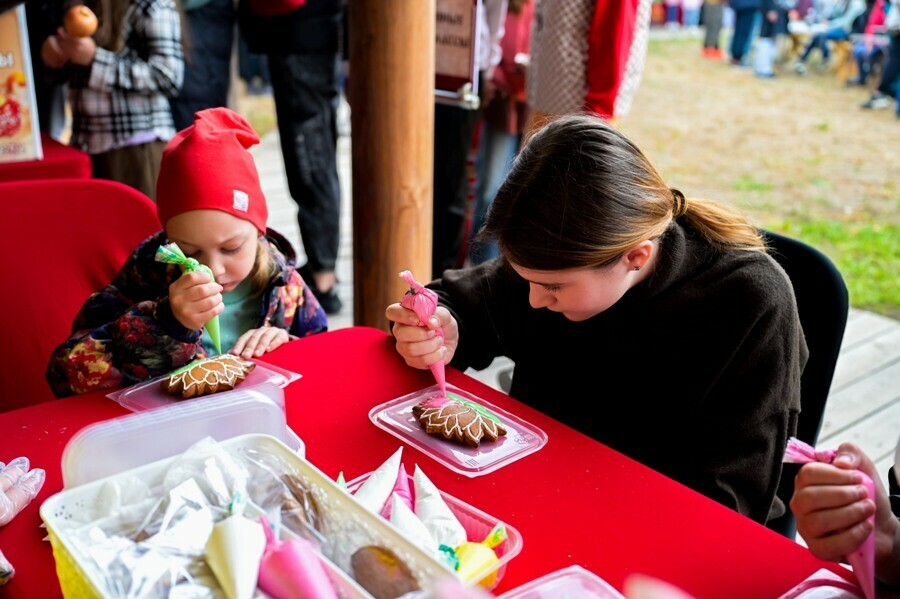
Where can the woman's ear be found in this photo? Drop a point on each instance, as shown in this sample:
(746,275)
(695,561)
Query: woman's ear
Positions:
(638,256)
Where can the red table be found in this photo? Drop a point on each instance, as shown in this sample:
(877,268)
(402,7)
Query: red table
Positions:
(575,501)
(60,162)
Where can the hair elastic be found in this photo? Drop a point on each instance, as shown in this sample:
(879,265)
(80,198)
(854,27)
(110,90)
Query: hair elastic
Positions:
(679,207)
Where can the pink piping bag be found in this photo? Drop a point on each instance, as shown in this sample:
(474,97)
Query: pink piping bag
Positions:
(291,569)
(424,302)
(863,559)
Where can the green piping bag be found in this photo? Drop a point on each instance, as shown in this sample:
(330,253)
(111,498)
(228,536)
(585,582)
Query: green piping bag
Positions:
(172,254)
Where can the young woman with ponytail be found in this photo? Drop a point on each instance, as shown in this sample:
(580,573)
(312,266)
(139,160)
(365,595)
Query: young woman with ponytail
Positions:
(653,323)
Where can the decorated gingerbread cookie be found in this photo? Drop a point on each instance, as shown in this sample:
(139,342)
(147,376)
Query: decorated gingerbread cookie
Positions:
(382,573)
(458,420)
(204,377)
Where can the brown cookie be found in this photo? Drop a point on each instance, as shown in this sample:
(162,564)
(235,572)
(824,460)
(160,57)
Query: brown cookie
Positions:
(299,510)
(458,422)
(204,377)
(382,573)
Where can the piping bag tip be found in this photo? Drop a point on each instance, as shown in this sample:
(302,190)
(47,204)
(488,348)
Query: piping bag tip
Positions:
(863,559)
(438,370)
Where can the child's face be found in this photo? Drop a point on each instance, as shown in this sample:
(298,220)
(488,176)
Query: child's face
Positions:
(224,243)
(577,293)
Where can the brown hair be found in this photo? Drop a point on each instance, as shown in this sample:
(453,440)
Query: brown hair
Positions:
(263,268)
(580,194)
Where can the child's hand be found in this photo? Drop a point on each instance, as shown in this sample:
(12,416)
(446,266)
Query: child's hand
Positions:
(421,346)
(195,299)
(832,510)
(78,50)
(52,54)
(256,342)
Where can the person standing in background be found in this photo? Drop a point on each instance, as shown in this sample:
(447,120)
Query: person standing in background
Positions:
(120,82)
(586,56)
(745,12)
(207,71)
(712,19)
(302,40)
(505,116)
(454,131)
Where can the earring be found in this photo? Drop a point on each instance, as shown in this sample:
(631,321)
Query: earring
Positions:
(636,268)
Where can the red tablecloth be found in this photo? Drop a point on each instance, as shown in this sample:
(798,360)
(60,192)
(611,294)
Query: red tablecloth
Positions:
(575,501)
(59,162)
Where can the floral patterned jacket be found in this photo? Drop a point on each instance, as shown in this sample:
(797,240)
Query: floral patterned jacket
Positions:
(127,332)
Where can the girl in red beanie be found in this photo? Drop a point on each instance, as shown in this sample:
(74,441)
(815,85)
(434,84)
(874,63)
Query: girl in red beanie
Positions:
(150,319)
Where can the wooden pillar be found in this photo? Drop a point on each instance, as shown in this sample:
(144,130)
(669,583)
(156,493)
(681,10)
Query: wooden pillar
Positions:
(391,95)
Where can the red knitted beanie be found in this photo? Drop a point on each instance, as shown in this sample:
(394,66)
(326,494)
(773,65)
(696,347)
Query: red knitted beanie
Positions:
(207,166)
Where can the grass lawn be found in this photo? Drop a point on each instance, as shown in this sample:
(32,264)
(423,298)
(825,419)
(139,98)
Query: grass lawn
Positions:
(796,153)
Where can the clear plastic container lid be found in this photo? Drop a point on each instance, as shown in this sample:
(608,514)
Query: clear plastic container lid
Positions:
(574,582)
(149,394)
(522,438)
(116,445)
(477,525)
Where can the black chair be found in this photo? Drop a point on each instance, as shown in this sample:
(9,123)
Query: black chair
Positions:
(823,304)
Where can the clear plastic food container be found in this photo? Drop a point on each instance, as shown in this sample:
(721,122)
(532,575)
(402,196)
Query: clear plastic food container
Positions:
(573,582)
(349,523)
(522,438)
(116,445)
(477,525)
(149,394)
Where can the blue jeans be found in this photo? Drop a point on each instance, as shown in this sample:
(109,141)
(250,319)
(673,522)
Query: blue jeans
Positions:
(820,40)
(496,153)
(691,17)
(743,32)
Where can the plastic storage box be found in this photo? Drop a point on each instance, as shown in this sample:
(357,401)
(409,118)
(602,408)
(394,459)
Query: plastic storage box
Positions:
(349,524)
(477,525)
(149,394)
(116,445)
(573,582)
(522,438)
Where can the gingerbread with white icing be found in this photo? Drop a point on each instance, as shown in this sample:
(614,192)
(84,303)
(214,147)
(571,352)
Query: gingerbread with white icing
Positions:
(205,377)
(458,422)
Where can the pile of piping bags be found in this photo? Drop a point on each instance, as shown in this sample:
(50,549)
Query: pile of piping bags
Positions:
(423,516)
(424,302)
(18,486)
(863,559)
(291,569)
(172,254)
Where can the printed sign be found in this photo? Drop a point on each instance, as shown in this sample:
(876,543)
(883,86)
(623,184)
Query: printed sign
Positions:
(19,129)
(456,50)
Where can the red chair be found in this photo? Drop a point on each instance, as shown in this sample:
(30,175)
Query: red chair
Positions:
(62,240)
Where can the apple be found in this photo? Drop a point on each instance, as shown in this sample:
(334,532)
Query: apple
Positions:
(80,21)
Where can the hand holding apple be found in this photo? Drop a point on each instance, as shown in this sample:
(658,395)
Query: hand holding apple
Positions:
(79,50)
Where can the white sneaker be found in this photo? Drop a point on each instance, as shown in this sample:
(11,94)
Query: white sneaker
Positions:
(876,102)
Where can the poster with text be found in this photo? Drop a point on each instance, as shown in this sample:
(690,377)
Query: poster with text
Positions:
(456,49)
(19,129)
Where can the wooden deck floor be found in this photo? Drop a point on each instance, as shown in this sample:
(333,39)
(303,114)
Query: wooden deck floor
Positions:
(864,405)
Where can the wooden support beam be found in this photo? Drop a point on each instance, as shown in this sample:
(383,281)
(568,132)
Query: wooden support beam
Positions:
(391,95)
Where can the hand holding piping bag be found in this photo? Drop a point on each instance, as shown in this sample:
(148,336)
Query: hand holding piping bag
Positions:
(172,254)
(863,559)
(424,302)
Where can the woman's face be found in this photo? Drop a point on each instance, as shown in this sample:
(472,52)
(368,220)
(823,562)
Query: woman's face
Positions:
(224,243)
(578,293)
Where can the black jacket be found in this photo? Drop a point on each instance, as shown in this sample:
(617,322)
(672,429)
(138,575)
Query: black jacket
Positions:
(314,28)
(695,372)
